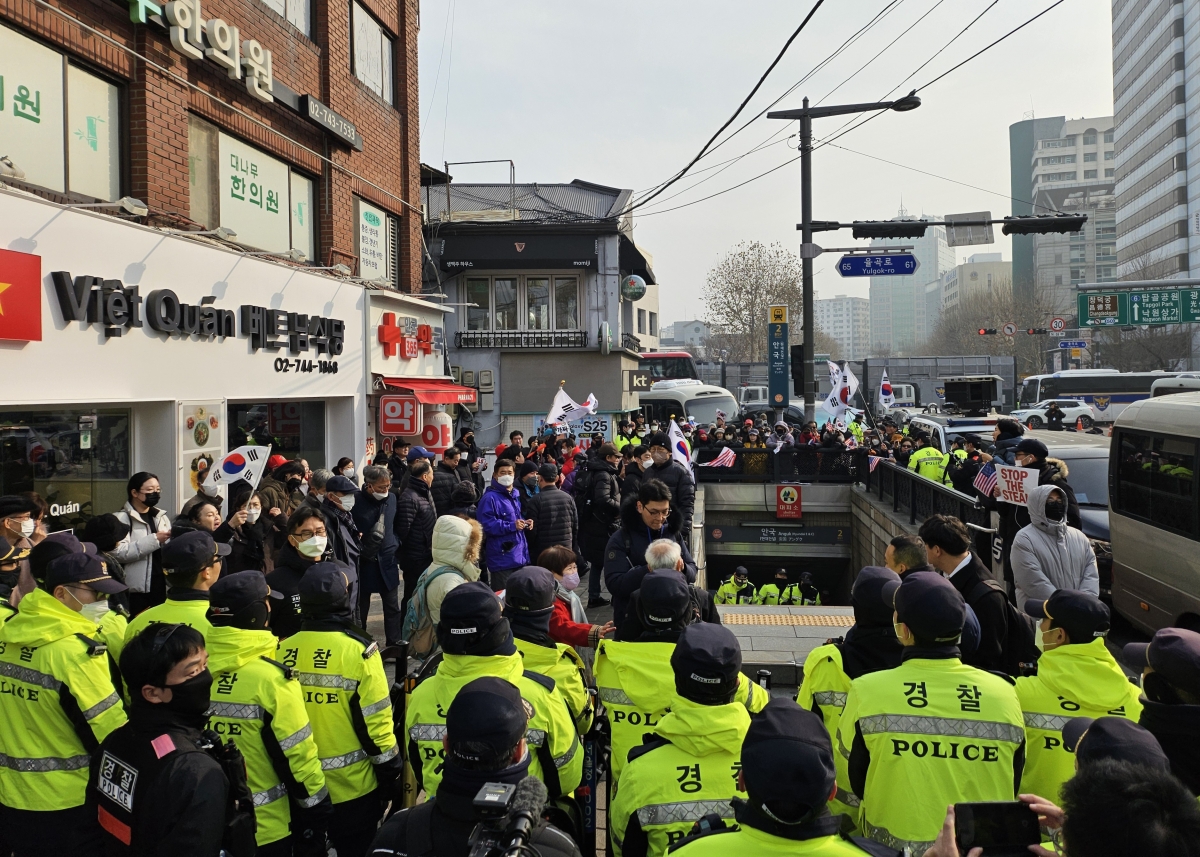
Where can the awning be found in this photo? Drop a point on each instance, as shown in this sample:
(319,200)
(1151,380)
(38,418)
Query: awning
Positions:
(434,392)
(512,251)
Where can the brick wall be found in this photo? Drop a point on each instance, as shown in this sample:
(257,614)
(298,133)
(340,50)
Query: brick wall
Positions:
(158,105)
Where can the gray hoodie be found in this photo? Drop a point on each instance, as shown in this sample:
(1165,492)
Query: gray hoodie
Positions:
(1048,555)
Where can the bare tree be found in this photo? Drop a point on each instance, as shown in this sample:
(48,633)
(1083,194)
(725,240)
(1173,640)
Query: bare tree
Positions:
(738,291)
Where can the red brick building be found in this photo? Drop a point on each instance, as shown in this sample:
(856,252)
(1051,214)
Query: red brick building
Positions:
(293,123)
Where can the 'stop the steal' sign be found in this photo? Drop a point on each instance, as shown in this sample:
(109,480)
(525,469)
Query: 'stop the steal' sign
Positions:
(1015,483)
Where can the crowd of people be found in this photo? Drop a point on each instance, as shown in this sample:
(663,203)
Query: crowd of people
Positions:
(202,683)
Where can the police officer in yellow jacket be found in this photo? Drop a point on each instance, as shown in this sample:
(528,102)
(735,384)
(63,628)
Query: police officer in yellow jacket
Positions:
(926,460)
(687,766)
(1076,677)
(528,604)
(257,702)
(58,703)
(634,680)
(869,646)
(780,593)
(345,689)
(477,641)
(192,564)
(932,731)
(787,775)
(10,572)
(737,589)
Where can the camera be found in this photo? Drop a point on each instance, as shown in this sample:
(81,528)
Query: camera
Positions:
(508,815)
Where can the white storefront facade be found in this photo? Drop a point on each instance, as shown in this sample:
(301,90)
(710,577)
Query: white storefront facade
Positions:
(124,348)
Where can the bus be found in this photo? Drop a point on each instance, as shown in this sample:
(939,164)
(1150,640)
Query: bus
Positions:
(1182,383)
(1106,390)
(668,365)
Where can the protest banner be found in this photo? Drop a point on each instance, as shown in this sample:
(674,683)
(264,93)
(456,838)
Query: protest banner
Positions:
(1015,483)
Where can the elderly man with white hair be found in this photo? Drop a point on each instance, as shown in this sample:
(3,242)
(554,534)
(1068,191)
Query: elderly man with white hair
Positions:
(666,555)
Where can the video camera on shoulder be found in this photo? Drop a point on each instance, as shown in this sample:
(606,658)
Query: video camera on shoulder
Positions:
(508,814)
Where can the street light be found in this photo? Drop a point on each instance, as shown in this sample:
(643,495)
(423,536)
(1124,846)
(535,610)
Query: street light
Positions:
(806,114)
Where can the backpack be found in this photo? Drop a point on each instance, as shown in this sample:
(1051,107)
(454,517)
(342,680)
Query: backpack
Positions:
(418,627)
(1020,650)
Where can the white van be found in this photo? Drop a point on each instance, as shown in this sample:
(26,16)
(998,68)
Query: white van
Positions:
(687,397)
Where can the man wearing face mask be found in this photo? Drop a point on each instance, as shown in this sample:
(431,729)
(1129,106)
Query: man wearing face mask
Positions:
(1076,677)
(206,491)
(257,701)
(505,546)
(340,496)
(307,543)
(1048,555)
(192,563)
(415,520)
(153,788)
(378,571)
(59,705)
(677,478)
(346,694)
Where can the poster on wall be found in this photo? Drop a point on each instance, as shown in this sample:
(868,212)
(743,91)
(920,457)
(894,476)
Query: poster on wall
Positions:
(254,190)
(374,242)
(200,430)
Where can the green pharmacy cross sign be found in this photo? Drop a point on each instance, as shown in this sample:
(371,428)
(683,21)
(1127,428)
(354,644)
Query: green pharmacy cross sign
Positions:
(1157,306)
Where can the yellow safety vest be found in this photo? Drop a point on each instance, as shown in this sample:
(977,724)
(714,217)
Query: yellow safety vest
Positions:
(346,696)
(191,610)
(1076,680)
(823,692)
(686,770)
(938,732)
(731,593)
(254,696)
(746,840)
(928,462)
(57,703)
(563,664)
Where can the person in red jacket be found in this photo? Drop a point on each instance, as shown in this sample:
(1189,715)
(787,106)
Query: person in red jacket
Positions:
(564,627)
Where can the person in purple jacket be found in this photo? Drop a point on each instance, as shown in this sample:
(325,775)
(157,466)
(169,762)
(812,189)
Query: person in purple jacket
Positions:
(499,513)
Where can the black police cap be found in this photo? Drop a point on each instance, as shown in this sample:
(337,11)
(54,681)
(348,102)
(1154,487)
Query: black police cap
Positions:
(787,761)
(663,599)
(81,569)
(1174,653)
(706,661)
(1117,738)
(1084,616)
(471,622)
(191,551)
(529,590)
(235,592)
(486,720)
(324,584)
(928,604)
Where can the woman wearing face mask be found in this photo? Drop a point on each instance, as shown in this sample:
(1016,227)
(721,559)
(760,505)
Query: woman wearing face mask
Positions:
(569,623)
(249,528)
(307,543)
(207,491)
(345,467)
(636,472)
(149,528)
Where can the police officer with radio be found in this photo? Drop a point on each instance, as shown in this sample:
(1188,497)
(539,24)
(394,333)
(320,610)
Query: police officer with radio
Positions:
(484,746)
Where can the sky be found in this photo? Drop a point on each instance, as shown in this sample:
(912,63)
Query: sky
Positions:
(626,92)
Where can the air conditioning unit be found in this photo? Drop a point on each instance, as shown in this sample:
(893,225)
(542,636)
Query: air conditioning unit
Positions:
(468,378)
(456,374)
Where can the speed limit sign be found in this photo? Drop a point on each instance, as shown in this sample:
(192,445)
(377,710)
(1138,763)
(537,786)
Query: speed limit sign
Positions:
(1010,329)
(1058,324)
(399,416)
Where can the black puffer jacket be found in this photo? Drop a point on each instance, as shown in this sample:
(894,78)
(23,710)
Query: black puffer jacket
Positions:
(625,555)
(290,566)
(600,505)
(555,522)
(415,519)
(683,489)
(445,480)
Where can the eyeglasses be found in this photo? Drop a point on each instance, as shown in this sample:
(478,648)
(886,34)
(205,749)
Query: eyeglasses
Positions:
(657,513)
(303,535)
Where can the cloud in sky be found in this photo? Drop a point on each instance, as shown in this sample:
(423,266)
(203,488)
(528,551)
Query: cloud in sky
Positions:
(625,93)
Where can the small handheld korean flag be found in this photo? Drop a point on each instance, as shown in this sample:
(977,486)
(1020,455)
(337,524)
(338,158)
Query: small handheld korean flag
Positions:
(679,447)
(245,462)
(886,399)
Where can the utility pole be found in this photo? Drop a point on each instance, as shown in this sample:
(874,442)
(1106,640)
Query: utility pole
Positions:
(806,265)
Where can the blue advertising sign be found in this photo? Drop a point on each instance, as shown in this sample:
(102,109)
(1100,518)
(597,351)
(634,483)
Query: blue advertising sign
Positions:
(895,264)
(778,380)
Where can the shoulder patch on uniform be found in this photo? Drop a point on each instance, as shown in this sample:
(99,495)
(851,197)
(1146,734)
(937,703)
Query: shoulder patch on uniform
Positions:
(612,554)
(544,680)
(94,647)
(288,672)
(163,745)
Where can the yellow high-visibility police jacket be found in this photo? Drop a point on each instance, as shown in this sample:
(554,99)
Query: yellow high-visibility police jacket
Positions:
(636,684)
(1075,680)
(730,592)
(182,607)
(686,769)
(823,692)
(563,664)
(259,705)
(620,441)
(57,703)
(747,840)
(346,694)
(770,594)
(557,757)
(928,462)
(929,733)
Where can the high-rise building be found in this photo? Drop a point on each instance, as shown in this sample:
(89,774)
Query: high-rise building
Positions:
(982,276)
(898,318)
(848,320)
(1152,59)
(1063,165)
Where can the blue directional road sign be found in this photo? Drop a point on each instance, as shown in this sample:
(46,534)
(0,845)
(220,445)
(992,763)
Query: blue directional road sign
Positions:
(1072,343)
(895,264)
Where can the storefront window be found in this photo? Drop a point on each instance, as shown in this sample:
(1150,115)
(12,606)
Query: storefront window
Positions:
(537,296)
(292,429)
(566,303)
(479,317)
(77,460)
(506,304)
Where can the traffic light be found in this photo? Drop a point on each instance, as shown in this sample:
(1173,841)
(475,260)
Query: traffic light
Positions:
(1036,330)
(889,228)
(1040,224)
(988,331)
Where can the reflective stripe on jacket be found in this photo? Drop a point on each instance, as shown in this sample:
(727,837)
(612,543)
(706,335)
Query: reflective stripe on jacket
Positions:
(930,732)
(823,692)
(256,704)
(346,695)
(731,593)
(57,703)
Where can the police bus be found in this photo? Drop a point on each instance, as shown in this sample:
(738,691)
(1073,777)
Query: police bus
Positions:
(1106,390)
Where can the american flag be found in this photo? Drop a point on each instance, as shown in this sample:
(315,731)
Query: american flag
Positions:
(985,480)
(873,462)
(725,459)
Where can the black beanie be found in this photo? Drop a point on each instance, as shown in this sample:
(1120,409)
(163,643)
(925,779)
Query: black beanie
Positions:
(867,597)
(471,622)
(706,661)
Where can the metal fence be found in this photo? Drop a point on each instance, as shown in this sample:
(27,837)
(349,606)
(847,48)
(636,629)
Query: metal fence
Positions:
(921,497)
(800,464)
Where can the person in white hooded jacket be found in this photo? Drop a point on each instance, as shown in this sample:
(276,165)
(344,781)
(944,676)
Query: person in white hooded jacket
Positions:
(456,543)
(1047,555)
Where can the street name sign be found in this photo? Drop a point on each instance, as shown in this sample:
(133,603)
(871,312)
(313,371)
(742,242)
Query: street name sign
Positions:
(885,265)
(1072,343)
